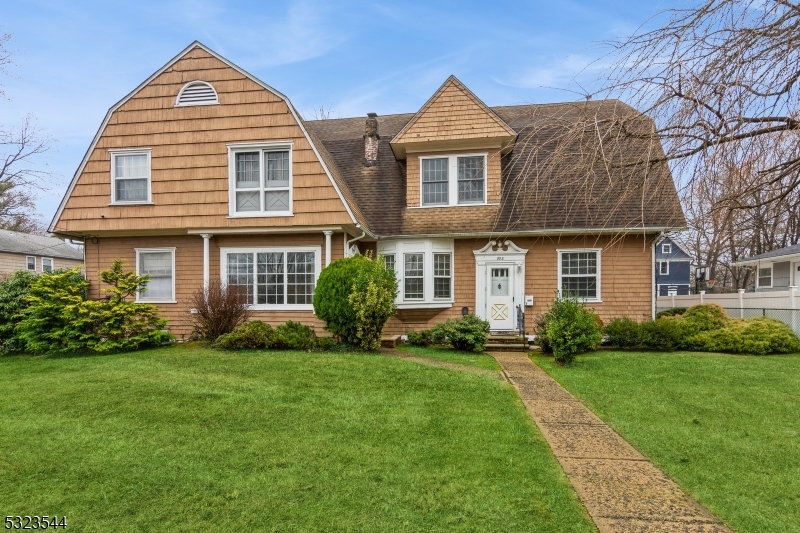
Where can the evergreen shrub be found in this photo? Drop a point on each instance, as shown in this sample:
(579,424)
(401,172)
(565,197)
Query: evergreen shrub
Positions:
(569,328)
(355,297)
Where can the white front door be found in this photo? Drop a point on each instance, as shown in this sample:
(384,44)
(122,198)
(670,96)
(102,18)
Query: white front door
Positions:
(500,297)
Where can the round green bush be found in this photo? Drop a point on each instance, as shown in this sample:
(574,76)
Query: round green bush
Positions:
(468,333)
(355,297)
(755,336)
(295,336)
(254,335)
(705,317)
(13,292)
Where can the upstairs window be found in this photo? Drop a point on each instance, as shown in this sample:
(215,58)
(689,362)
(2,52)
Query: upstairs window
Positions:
(260,180)
(453,180)
(130,176)
(666,248)
(196,93)
(663,268)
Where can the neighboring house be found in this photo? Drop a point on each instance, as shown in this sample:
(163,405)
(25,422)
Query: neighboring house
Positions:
(776,270)
(203,172)
(22,251)
(673,268)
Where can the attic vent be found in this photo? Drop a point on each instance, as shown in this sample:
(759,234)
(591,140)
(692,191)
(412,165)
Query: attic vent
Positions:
(197,93)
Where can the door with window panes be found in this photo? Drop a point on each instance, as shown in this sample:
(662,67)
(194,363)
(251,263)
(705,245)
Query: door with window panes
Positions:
(500,296)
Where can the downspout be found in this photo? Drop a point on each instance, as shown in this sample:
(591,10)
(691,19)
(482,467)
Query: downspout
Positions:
(653,287)
(363,234)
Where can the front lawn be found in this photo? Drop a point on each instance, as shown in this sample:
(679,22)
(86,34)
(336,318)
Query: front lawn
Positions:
(191,439)
(725,427)
(477,360)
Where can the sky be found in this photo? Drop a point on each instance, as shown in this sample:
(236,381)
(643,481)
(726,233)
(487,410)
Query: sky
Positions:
(75,59)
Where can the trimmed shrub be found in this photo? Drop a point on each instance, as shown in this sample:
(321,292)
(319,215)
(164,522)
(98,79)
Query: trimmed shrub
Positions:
(624,332)
(757,336)
(355,297)
(295,336)
(664,334)
(570,329)
(671,312)
(705,317)
(420,338)
(325,344)
(13,292)
(220,310)
(254,335)
(468,333)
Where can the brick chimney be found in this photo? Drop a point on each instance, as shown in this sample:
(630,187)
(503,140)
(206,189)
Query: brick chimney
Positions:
(371,140)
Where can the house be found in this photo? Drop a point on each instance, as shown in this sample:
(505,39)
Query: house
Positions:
(776,270)
(36,253)
(673,268)
(205,171)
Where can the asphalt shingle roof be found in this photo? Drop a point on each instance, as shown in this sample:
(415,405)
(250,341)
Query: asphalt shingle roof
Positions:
(535,196)
(24,243)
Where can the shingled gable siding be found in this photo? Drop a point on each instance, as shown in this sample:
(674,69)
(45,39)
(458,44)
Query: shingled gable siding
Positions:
(189,269)
(11,262)
(625,279)
(190,157)
(453,114)
(493,174)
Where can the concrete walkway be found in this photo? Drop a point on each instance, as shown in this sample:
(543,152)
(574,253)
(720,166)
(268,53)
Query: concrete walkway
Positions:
(622,490)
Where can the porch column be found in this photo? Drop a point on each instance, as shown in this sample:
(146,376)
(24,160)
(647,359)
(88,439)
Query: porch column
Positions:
(328,234)
(206,249)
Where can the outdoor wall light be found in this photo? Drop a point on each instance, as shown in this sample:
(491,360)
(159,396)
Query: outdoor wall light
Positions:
(465,311)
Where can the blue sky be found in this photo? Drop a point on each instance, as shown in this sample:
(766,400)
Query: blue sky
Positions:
(75,59)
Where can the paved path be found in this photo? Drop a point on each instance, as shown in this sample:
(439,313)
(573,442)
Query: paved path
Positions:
(622,490)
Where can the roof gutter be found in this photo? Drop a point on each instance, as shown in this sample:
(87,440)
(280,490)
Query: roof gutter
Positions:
(535,233)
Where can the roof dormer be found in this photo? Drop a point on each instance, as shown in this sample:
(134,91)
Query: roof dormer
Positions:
(453,119)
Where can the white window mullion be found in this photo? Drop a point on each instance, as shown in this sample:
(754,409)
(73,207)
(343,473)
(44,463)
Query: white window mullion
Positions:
(452,176)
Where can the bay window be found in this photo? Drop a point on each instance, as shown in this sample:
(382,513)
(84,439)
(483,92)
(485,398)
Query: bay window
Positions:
(260,179)
(273,278)
(424,269)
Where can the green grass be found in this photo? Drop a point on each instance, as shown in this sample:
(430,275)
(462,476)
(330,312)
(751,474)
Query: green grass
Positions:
(725,427)
(190,439)
(448,355)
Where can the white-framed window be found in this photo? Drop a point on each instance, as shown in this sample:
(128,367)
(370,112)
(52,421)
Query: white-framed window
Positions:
(666,248)
(47,264)
(765,277)
(579,273)
(452,180)
(663,268)
(159,265)
(389,259)
(196,93)
(130,176)
(273,277)
(424,270)
(30,262)
(260,177)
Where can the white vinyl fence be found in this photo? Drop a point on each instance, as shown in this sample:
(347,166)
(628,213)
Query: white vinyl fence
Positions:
(781,305)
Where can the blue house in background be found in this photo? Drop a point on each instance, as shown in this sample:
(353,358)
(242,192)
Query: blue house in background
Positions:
(673,268)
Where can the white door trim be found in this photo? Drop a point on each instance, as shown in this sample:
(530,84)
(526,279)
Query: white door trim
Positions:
(499,253)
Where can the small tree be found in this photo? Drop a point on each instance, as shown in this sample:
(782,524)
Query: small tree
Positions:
(355,298)
(220,310)
(124,324)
